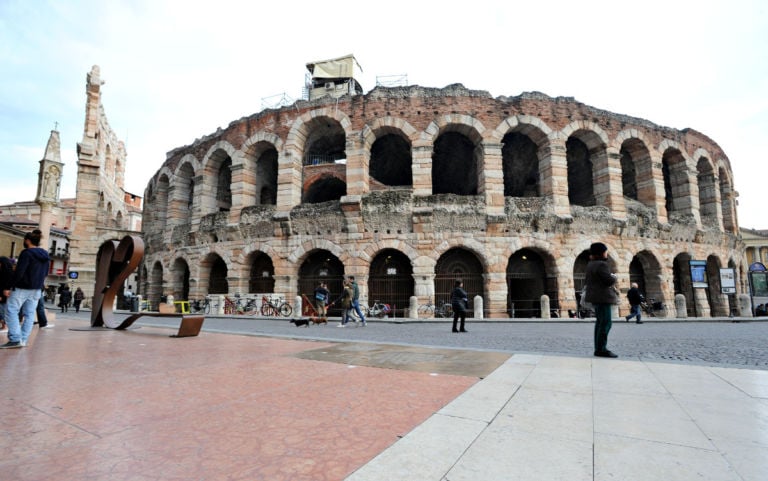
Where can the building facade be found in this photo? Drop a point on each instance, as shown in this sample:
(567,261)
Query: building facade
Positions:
(101,210)
(409,188)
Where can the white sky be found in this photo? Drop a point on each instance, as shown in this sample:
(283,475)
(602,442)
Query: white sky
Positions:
(177,70)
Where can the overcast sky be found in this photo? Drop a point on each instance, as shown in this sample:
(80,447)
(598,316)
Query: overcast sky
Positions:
(175,71)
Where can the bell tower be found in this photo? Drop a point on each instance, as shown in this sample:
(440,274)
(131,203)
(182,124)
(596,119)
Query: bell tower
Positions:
(48,183)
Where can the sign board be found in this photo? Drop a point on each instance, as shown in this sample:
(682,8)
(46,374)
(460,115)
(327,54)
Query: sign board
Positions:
(699,273)
(728,280)
(757,267)
(759,282)
(73,274)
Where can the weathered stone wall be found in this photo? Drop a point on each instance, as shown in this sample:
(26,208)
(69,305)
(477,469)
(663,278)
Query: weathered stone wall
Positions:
(411,219)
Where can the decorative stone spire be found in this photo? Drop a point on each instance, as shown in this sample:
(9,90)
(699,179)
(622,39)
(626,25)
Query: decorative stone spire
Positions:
(51,169)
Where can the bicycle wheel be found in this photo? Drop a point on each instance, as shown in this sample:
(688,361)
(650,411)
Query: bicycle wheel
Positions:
(285,309)
(266,310)
(207,308)
(427,309)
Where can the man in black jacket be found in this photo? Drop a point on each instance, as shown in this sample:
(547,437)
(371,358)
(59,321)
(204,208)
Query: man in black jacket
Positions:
(635,298)
(602,295)
(25,291)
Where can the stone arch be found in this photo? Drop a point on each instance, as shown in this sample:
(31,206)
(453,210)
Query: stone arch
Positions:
(457,154)
(390,279)
(709,197)
(678,195)
(182,199)
(682,282)
(155,289)
(718,302)
(462,263)
(259,158)
(303,250)
(213,274)
(531,272)
(323,187)
(525,145)
(587,161)
(301,132)
(261,272)
(636,167)
(727,198)
(320,265)
(217,163)
(645,269)
(179,283)
(389,142)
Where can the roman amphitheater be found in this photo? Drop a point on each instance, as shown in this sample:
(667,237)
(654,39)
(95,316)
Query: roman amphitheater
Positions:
(408,188)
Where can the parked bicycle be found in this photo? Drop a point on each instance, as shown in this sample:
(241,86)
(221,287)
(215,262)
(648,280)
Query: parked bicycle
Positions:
(275,307)
(378,309)
(240,306)
(430,309)
(198,306)
(653,308)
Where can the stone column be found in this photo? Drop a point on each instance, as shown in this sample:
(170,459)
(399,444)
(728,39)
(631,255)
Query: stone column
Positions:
(553,175)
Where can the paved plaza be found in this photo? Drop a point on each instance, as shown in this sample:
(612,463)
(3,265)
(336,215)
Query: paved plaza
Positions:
(253,399)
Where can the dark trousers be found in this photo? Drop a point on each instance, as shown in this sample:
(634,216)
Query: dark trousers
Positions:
(459,313)
(602,326)
(42,319)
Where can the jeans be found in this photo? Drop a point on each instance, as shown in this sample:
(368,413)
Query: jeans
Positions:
(634,311)
(356,307)
(24,301)
(42,318)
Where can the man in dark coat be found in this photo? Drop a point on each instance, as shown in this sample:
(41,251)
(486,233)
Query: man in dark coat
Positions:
(26,287)
(635,298)
(602,294)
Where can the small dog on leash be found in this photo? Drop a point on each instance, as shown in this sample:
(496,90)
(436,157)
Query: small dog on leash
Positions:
(319,320)
(300,322)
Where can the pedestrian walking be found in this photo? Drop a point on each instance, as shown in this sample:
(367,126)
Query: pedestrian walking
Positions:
(602,294)
(65,297)
(459,302)
(635,298)
(26,287)
(356,299)
(78,298)
(345,301)
(322,296)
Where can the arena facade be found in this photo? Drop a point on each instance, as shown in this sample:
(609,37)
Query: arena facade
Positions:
(408,188)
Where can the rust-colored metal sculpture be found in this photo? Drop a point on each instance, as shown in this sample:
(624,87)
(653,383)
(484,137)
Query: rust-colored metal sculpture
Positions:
(115,261)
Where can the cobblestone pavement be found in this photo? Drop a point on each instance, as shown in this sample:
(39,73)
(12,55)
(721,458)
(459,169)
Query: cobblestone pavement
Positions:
(722,343)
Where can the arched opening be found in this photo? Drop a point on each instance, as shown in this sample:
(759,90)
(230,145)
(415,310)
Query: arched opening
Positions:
(185,192)
(262,278)
(458,263)
(520,161)
(180,280)
(326,142)
(681,268)
(718,305)
(266,177)
(155,290)
(727,202)
(580,184)
(645,270)
(527,281)
(391,280)
(224,186)
(217,271)
(707,193)
(675,176)
(391,160)
(324,189)
(321,266)
(454,165)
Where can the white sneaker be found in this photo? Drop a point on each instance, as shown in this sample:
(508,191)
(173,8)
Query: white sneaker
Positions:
(23,343)
(48,326)
(342,325)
